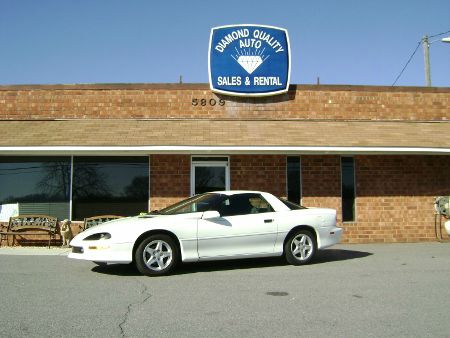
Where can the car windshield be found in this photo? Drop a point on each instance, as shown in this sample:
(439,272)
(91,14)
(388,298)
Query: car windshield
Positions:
(292,205)
(198,203)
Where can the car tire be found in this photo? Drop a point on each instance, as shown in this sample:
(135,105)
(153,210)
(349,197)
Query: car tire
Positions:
(156,255)
(300,247)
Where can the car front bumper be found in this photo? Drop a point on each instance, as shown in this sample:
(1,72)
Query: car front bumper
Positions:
(102,251)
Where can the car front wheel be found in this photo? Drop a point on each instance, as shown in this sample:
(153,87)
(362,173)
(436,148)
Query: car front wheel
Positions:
(300,248)
(156,255)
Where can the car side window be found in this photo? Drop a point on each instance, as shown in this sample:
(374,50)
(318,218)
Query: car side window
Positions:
(243,204)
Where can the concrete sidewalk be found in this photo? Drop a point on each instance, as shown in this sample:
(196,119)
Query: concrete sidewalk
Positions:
(34,251)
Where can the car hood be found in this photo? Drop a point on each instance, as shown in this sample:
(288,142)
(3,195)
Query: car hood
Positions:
(147,221)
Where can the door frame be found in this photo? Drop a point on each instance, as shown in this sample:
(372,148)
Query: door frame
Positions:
(210,162)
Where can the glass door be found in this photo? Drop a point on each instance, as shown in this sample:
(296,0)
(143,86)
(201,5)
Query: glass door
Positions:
(209,174)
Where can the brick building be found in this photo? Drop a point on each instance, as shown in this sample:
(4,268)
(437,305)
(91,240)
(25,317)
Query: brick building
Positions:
(379,155)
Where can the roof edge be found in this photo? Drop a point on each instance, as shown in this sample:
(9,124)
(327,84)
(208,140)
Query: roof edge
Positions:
(205,86)
(219,150)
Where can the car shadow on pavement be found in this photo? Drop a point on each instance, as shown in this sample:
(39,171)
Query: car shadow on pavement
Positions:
(324,256)
(335,255)
(117,270)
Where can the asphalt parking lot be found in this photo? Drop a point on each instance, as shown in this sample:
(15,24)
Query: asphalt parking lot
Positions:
(386,290)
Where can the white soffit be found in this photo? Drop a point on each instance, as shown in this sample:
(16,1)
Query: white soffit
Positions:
(146,150)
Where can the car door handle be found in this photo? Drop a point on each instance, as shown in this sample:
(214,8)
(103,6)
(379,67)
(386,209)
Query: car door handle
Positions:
(268,220)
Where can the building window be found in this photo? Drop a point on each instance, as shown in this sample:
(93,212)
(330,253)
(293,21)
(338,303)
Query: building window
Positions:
(110,185)
(209,174)
(348,189)
(293,179)
(36,185)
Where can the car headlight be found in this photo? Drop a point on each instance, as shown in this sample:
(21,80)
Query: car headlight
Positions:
(99,236)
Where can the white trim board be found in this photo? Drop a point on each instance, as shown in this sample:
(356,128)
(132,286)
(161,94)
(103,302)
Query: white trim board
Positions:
(146,150)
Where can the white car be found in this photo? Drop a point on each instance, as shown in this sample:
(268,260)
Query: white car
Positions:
(211,226)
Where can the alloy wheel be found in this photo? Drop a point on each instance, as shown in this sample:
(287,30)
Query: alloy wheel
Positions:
(302,247)
(157,255)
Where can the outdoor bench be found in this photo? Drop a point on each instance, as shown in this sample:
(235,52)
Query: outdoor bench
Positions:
(30,225)
(96,220)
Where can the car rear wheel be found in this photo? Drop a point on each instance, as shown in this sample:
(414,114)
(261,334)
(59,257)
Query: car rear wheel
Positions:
(156,255)
(300,248)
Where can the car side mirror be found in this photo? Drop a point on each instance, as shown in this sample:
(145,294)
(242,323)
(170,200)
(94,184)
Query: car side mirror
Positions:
(210,214)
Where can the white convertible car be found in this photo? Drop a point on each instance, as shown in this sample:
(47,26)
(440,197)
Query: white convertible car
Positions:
(211,226)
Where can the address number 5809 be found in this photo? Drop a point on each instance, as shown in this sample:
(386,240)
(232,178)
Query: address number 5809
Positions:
(205,102)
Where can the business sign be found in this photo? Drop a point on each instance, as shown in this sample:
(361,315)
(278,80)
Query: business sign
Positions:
(249,60)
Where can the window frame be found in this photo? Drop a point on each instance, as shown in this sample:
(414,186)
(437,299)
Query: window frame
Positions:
(196,161)
(300,187)
(57,206)
(71,161)
(354,218)
(111,160)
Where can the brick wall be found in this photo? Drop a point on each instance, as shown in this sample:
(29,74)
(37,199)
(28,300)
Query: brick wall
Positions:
(259,172)
(395,198)
(170,176)
(169,179)
(394,194)
(175,101)
(321,182)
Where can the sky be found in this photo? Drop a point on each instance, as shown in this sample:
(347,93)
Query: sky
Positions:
(355,42)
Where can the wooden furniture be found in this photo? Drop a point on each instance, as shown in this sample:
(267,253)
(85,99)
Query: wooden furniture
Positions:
(30,225)
(96,220)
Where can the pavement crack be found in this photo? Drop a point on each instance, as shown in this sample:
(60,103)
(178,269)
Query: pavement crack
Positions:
(144,292)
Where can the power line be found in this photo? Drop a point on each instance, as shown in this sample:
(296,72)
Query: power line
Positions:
(412,55)
(407,63)
(433,36)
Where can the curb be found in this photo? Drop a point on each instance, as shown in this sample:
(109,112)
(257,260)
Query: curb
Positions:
(34,251)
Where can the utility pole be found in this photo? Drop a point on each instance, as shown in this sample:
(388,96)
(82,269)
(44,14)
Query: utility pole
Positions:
(426,55)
